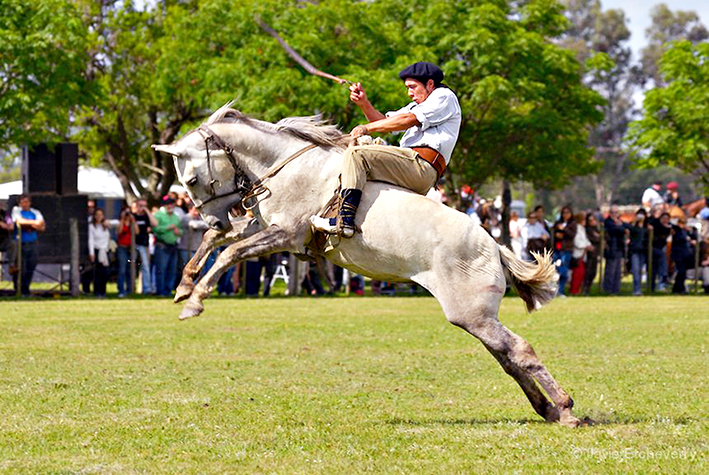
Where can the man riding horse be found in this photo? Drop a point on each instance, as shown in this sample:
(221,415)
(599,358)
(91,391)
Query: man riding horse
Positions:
(432,122)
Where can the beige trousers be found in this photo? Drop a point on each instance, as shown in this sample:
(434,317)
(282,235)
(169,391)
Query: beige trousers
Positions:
(396,165)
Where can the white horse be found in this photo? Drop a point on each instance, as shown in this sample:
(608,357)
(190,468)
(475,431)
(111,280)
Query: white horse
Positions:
(289,171)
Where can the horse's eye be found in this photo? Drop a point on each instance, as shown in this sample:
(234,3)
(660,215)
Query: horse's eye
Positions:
(192,181)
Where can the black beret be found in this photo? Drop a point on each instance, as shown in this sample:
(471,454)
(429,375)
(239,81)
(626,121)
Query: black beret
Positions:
(422,71)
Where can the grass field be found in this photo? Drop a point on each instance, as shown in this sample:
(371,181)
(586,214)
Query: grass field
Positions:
(346,385)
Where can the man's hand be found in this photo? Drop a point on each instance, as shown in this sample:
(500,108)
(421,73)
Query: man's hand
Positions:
(359,131)
(357,94)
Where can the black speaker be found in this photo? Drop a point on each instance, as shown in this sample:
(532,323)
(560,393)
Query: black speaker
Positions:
(39,169)
(67,168)
(55,243)
(50,171)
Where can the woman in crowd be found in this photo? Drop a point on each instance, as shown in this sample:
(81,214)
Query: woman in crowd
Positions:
(125,239)
(578,262)
(99,239)
(564,233)
(534,236)
(638,248)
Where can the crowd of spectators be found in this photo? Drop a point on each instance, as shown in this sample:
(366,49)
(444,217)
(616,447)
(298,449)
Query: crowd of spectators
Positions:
(646,242)
(652,240)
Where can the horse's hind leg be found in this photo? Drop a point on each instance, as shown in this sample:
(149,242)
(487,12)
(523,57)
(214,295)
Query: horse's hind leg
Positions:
(478,316)
(518,358)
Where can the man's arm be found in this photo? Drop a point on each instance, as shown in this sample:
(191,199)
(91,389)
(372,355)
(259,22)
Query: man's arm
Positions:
(359,97)
(394,123)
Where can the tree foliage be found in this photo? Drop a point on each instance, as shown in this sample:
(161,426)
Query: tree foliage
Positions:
(674,130)
(44,58)
(154,73)
(667,26)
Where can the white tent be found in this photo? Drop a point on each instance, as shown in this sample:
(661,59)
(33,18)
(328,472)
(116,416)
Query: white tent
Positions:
(97,183)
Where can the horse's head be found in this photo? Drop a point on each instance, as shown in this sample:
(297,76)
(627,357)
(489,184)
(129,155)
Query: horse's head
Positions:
(206,166)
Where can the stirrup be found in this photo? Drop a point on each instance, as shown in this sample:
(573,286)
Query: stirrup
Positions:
(329,226)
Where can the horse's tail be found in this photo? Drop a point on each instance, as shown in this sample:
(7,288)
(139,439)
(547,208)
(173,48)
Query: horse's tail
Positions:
(536,283)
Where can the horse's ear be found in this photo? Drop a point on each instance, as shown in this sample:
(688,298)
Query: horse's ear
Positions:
(171,149)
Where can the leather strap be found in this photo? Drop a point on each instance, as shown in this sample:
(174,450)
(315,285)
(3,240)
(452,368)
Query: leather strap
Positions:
(433,157)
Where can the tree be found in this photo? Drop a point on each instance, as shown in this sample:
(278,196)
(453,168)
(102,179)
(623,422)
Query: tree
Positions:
(599,39)
(675,130)
(667,26)
(44,53)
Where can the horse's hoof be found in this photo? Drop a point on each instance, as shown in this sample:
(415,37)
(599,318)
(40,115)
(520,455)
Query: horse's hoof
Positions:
(562,416)
(191,310)
(183,292)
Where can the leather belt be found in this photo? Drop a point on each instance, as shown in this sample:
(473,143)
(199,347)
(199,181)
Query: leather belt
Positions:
(433,157)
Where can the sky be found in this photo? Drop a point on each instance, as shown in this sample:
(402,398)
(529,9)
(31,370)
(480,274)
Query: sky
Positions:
(638,12)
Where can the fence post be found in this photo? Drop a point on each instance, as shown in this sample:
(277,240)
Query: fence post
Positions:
(601,253)
(696,265)
(18,258)
(650,233)
(133,257)
(75,275)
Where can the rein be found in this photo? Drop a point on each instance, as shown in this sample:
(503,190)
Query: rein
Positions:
(242,182)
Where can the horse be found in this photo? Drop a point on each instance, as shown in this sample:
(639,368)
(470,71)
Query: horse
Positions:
(278,175)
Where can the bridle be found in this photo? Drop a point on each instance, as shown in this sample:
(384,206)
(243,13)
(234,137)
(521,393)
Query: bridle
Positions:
(242,183)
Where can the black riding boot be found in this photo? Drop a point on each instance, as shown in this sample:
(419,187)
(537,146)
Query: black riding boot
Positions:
(350,201)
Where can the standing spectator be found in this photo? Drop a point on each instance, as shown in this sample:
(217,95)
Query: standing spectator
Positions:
(7,245)
(539,210)
(99,239)
(616,231)
(564,233)
(534,236)
(515,236)
(638,249)
(652,197)
(662,230)
(671,196)
(578,257)
(125,239)
(681,254)
(31,222)
(167,232)
(144,221)
(193,228)
(593,234)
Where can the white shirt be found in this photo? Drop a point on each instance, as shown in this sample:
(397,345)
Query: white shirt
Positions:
(531,231)
(440,117)
(581,242)
(653,197)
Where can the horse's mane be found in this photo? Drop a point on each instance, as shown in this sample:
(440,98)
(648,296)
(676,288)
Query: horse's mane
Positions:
(312,129)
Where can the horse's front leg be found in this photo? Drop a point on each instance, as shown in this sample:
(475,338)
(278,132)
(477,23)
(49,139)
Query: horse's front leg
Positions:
(270,240)
(241,227)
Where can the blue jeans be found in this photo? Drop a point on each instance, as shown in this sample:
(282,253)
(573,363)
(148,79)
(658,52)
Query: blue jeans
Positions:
(165,268)
(147,280)
(123,258)
(637,261)
(563,269)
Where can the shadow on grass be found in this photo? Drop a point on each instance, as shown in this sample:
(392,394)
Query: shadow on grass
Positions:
(586,421)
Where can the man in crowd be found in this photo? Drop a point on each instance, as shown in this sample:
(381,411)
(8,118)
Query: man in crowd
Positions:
(31,222)
(431,121)
(616,231)
(672,197)
(145,221)
(167,232)
(652,197)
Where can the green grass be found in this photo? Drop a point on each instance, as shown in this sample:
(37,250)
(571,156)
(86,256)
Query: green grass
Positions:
(346,385)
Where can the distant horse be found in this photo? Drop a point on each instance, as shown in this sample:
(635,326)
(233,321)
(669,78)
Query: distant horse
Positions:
(288,171)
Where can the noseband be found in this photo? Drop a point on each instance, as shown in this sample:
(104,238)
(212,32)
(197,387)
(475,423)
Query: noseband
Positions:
(242,183)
